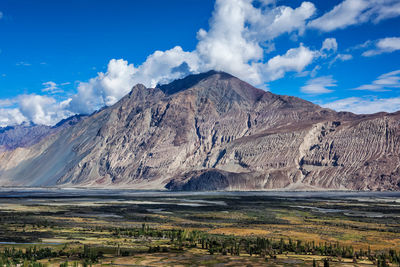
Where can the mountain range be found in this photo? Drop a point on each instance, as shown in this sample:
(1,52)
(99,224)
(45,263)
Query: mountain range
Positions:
(209,131)
(28,134)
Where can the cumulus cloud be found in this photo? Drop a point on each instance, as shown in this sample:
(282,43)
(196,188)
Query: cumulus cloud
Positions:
(105,89)
(11,116)
(42,109)
(271,23)
(165,66)
(319,85)
(295,59)
(228,45)
(365,105)
(237,30)
(384,82)
(385,45)
(239,37)
(33,108)
(353,12)
(235,43)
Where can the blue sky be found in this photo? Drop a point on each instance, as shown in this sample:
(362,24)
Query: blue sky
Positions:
(58,58)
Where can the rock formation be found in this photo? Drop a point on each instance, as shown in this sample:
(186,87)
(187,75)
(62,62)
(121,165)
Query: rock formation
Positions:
(212,131)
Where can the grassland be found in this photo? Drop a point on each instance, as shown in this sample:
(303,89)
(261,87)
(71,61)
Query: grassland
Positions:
(199,230)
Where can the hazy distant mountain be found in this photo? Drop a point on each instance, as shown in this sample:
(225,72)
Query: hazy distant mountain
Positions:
(213,131)
(28,134)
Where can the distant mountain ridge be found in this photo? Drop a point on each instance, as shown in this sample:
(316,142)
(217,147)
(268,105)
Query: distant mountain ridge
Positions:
(28,134)
(212,131)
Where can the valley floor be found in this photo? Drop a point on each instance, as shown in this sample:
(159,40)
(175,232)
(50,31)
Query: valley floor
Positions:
(128,228)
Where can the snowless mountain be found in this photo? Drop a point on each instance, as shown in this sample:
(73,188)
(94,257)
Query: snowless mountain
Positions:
(28,134)
(212,131)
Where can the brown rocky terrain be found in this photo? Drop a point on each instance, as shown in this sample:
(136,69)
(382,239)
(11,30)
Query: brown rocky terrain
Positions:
(213,131)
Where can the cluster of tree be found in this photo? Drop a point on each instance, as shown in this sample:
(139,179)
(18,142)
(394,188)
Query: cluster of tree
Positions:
(145,230)
(90,255)
(390,256)
(264,247)
(30,256)
(27,258)
(178,239)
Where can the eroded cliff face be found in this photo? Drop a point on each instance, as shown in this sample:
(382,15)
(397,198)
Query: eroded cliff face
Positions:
(213,131)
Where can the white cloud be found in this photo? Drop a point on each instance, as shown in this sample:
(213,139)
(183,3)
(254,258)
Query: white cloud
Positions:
(229,45)
(105,89)
(371,104)
(384,82)
(11,116)
(163,67)
(51,87)
(353,12)
(315,70)
(32,108)
(364,45)
(42,109)
(1,15)
(344,57)
(341,57)
(329,48)
(295,59)
(385,45)
(237,29)
(234,43)
(384,9)
(365,105)
(341,16)
(329,44)
(271,23)
(319,85)
(239,38)
(7,102)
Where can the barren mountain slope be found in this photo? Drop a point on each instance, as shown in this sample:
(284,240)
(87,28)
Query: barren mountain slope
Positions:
(214,131)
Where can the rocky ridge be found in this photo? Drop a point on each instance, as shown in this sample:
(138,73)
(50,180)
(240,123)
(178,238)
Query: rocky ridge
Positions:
(212,131)
(28,134)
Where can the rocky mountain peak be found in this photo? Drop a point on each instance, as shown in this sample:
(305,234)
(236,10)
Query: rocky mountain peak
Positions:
(213,131)
(218,87)
(190,81)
